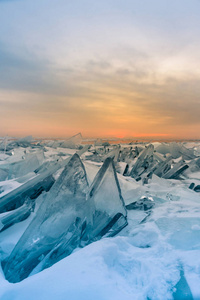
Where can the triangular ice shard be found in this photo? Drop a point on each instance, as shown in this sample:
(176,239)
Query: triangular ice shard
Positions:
(72,142)
(107,202)
(57,217)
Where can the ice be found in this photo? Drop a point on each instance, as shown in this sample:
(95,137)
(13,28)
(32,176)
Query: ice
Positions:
(72,142)
(143,161)
(54,223)
(176,150)
(175,172)
(16,216)
(68,219)
(144,203)
(27,164)
(182,289)
(10,143)
(197,188)
(114,154)
(30,189)
(156,256)
(3,174)
(33,187)
(109,207)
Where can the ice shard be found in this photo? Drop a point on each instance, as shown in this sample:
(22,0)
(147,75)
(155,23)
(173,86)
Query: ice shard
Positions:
(143,161)
(128,154)
(144,203)
(34,187)
(163,167)
(72,142)
(108,205)
(175,171)
(23,142)
(3,174)
(182,290)
(56,222)
(29,163)
(16,216)
(102,214)
(68,219)
(114,154)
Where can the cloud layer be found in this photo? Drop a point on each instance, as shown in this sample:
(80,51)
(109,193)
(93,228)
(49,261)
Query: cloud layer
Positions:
(106,69)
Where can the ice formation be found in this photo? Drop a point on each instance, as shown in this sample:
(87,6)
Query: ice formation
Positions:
(68,219)
(140,226)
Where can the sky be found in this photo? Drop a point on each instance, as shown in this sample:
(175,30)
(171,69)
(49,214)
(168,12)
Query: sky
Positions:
(109,68)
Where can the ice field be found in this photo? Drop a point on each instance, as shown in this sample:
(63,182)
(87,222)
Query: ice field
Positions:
(99,221)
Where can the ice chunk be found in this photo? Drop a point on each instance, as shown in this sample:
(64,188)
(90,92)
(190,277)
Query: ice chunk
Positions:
(72,142)
(163,148)
(29,163)
(174,172)
(163,167)
(107,202)
(197,188)
(30,189)
(143,161)
(16,216)
(34,187)
(176,150)
(128,154)
(144,203)
(3,174)
(11,144)
(26,139)
(103,214)
(114,154)
(56,222)
(192,185)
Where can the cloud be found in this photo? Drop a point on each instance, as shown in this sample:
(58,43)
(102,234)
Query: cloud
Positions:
(102,94)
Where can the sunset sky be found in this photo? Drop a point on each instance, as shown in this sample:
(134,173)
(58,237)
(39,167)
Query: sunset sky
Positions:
(107,68)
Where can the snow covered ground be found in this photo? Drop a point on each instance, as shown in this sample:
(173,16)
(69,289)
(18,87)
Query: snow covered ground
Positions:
(156,256)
